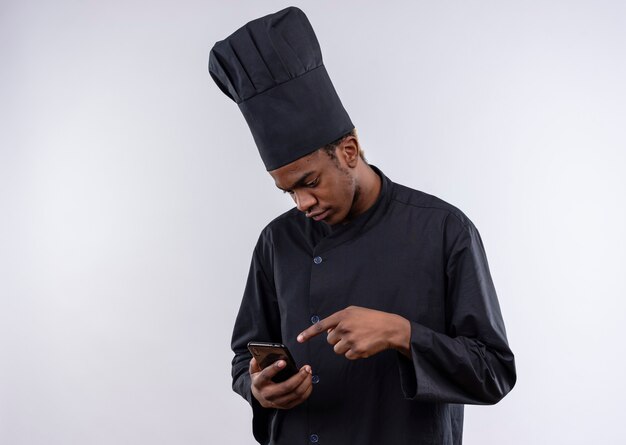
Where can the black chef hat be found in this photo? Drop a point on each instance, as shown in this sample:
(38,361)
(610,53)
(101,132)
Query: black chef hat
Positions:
(272,68)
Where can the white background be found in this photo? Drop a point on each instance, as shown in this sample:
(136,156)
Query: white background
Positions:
(131,195)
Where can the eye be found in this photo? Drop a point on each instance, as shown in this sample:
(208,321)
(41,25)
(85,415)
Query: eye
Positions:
(313,183)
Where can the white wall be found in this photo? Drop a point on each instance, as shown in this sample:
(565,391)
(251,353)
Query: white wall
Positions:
(131,195)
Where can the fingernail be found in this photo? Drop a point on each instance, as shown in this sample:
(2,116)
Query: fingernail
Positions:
(300,338)
(280,363)
(309,370)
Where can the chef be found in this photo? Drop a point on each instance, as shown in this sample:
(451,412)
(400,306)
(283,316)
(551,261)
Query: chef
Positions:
(381,292)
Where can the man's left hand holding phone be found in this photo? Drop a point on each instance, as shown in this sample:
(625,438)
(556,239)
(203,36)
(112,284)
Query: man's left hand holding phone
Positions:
(273,390)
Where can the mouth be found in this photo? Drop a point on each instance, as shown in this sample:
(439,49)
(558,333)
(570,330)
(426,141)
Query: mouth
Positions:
(319,215)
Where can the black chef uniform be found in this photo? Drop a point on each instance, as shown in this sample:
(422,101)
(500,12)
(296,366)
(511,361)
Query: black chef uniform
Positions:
(410,254)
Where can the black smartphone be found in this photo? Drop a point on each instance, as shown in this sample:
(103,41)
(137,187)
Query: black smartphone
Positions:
(268,353)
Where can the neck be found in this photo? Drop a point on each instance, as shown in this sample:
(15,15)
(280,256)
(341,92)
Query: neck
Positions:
(367,190)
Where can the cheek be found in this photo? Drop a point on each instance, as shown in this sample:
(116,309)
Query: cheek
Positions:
(345,193)
(339,193)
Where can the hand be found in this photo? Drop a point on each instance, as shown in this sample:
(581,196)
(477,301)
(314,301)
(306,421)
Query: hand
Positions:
(284,395)
(358,332)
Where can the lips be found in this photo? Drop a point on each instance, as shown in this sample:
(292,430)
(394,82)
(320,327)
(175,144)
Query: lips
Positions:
(319,215)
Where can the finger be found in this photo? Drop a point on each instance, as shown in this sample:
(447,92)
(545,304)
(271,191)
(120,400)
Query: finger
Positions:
(351,355)
(254,366)
(297,402)
(329,322)
(297,397)
(334,336)
(298,394)
(278,390)
(341,347)
(265,376)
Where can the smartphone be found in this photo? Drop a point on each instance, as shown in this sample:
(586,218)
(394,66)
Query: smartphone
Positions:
(268,353)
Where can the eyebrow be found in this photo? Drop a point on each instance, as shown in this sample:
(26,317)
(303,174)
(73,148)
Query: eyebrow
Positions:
(299,182)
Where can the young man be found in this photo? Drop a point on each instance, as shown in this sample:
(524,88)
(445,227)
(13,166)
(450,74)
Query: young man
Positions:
(381,292)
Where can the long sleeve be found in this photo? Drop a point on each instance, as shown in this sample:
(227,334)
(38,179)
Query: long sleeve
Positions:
(258,320)
(471,361)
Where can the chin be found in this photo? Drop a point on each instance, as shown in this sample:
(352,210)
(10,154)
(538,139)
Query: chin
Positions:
(332,220)
(329,220)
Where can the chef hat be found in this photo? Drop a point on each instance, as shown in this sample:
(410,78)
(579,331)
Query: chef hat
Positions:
(272,68)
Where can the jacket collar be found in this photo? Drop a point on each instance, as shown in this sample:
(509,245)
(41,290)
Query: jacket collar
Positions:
(341,233)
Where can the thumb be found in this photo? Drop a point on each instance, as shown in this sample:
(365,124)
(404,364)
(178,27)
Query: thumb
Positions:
(269,372)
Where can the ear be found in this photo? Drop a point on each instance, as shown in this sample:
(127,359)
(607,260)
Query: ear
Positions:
(349,151)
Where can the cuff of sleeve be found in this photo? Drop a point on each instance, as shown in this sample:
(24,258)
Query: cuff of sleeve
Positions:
(420,343)
(261,417)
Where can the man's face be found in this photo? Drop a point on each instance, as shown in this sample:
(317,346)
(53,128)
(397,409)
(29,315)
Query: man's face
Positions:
(325,189)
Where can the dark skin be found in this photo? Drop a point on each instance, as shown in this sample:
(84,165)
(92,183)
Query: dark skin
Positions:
(282,395)
(334,191)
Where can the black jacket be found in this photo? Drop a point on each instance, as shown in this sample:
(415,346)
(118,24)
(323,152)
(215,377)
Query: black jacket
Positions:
(410,254)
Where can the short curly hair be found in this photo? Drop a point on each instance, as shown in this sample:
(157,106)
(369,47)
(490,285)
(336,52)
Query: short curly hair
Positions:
(331,147)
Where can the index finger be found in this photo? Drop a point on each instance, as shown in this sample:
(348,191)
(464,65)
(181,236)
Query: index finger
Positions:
(327,323)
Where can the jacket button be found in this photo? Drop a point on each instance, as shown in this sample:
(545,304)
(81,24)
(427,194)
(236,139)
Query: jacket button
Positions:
(315,319)
(317,259)
(315,379)
(313,438)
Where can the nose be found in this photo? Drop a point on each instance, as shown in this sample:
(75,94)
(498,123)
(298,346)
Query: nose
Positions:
(304,201)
